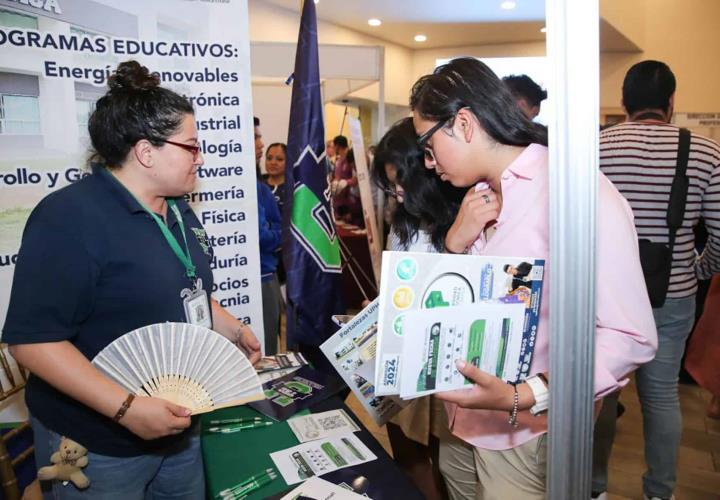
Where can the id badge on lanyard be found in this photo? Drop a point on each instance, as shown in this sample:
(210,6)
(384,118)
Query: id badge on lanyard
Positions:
(197,308)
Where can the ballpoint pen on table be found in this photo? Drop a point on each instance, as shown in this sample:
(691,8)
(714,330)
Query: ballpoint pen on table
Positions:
(237,428)
(243,420)
(242,491)
(260,475)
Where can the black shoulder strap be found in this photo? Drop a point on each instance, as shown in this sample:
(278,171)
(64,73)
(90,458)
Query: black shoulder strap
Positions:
(679,190)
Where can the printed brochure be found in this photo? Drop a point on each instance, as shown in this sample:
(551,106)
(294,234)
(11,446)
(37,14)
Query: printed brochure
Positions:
(322,425)
(316,458)
(276,366)
(488,335)
(317,488)
(294,392)
(431,282)
(352,352)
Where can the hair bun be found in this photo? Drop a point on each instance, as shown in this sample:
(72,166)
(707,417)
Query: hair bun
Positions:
(131,75)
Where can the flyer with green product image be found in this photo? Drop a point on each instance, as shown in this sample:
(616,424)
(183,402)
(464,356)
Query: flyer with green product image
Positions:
(316,458)
(488,335)
(438,283)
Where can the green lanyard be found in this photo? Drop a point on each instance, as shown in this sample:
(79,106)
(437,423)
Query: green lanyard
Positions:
(184,257)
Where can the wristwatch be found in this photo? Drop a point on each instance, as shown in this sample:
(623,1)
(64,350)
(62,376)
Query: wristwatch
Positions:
(540,392)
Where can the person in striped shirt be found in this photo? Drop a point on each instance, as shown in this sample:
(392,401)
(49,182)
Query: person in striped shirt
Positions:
(639,157)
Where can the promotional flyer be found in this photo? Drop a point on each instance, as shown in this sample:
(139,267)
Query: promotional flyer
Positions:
(414,281)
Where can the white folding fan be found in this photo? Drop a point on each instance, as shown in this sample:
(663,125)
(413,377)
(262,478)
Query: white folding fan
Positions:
(186,364)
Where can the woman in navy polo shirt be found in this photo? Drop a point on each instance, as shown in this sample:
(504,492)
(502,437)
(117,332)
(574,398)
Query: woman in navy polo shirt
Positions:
(94,264)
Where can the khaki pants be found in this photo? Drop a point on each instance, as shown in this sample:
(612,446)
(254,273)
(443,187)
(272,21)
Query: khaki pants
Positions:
(479,474)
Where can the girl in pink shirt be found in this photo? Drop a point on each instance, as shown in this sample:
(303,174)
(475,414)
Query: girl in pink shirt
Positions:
(475,136)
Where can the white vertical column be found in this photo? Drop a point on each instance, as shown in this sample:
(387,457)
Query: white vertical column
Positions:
(573,53)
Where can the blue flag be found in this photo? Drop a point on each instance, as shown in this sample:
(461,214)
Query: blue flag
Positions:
(311,247)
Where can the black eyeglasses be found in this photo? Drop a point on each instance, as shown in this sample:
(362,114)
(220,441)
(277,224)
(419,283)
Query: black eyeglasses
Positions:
(423,139)
(195,150)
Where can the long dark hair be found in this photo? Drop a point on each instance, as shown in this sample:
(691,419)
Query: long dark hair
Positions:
(467,83)
(135,107)
(429,203)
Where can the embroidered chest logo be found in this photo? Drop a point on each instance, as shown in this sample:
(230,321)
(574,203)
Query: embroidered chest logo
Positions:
(202,238)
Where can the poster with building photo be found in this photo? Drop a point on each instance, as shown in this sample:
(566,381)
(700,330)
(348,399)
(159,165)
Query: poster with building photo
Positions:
(56,57)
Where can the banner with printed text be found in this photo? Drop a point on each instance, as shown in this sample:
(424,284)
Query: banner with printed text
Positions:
(56,56)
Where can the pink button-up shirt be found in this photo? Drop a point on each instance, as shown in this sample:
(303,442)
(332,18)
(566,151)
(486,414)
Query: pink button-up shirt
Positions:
(625,329)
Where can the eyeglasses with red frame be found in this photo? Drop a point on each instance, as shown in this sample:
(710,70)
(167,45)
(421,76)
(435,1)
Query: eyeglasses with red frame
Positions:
(194,149)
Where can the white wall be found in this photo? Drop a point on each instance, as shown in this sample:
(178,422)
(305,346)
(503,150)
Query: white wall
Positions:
(271,103)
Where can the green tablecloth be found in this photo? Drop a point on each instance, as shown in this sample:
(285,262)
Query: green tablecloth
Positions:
(230,458)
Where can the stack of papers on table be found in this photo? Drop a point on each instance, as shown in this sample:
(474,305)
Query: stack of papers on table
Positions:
(319,489)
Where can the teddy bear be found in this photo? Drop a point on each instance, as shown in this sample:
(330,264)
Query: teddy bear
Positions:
(68,461)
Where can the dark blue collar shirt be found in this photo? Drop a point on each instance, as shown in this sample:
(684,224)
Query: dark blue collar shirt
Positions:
(93,265)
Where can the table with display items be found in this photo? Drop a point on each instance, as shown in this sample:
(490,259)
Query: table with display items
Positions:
(231,458)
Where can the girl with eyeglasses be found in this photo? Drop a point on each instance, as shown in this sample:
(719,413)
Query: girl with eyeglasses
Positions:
(95,263)
(425,206)
(475,137)
(425,209)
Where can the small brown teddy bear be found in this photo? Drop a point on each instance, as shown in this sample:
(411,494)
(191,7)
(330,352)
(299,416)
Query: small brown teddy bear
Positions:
(68,460)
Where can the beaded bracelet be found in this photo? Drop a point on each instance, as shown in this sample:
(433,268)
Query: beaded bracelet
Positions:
(514,412)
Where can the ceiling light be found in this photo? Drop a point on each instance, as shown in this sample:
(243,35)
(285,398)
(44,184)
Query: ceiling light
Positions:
(508,5)
(543,29)
(420,38)
(374,22)
(316,1)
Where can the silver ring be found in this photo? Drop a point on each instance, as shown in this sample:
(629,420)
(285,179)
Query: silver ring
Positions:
(486,198)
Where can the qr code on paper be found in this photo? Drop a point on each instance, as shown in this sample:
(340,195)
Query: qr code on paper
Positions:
(333,422)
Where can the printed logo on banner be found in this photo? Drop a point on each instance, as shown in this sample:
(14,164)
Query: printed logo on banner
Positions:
(312,225)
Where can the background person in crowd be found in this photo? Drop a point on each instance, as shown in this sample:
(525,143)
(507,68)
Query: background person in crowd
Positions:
(344,185)
(329,158)
(473,132)
(330,151)
(275,156)
(639,156)
(703,351)
(270,237)
(425,209)
(94,265)
(426,206)
(528,94)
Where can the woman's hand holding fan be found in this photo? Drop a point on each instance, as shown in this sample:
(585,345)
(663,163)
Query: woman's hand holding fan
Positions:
(152,418)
